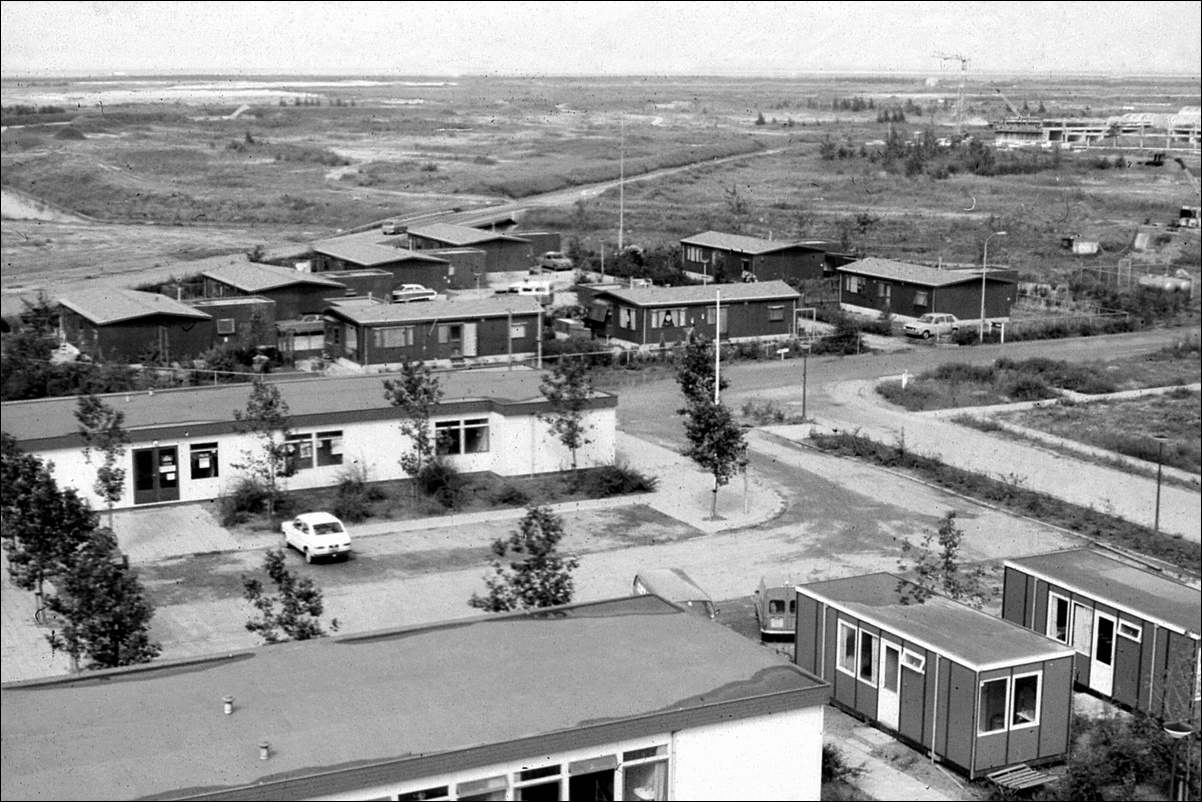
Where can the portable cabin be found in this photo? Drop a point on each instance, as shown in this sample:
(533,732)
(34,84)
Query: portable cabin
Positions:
(974,691)
(1135,633)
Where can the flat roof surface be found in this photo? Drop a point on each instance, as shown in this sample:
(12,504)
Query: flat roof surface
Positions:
(912,274)
(55,417)
(337,703)
(459,235)
(738,242)
(255,277)
(369,253)
(969,636)
(105,306)
(1123,585)
(703,293)
(456,309)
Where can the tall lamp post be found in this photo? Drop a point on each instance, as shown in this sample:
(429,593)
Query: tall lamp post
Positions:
(1160,441)
(1178,731)
(984,269)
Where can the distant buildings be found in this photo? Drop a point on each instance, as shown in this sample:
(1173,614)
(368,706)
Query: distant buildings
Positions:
(740,258)
(875,286)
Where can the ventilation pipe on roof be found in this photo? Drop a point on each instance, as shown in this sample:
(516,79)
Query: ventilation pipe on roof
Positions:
(264,749)
(228,701)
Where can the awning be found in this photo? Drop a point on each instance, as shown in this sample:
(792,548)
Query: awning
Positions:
(599,311)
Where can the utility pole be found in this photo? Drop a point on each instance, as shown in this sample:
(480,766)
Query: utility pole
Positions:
(717,342)
(622,186)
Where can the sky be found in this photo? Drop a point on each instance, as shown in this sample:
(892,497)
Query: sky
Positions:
(589,38)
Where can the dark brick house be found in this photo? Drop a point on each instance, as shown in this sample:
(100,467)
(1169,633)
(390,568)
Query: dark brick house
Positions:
(126,325)
(357,253)
(734,256)
(908,291)
(295,293)
(504,252)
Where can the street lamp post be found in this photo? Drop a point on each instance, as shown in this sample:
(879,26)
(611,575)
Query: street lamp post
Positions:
(1160,441)
(1178,731)
(984,269)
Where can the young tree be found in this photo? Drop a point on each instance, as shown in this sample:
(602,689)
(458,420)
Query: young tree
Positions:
(100,426)
(42,526)
(716,442)
(266,417)
(695,372)
(293,612)
(568,388)
(542,579)
(416,393)
(104,606)
(938,568)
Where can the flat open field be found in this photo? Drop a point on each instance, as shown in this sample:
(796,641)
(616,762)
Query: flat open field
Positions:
(175,169)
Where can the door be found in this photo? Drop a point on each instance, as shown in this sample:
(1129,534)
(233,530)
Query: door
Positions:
(889,700)
(156,475)
(469,339)
(1101,670)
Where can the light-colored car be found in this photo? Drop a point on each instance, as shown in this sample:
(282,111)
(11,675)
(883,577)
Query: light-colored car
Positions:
(932,324)
(317,534)
(391,227)
(676,586)
(554,260)
(407,293)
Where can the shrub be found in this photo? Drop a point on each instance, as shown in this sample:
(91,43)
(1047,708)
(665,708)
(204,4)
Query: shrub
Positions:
(767,412)
(615,480)
(354,496)
(441,482)
(835,767)
(1028,388)
(245,499)
(510,496)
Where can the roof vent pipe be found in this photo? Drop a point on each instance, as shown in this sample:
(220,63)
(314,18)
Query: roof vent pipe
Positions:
(229,704)
(264,750)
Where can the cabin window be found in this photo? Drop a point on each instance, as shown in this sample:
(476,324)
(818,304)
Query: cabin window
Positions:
(991,715)
(776,607)
(451,333)
(868,655)
(1058,618)
(922,298)
(204,461)
(298,449)
(885,291)
(439,792)
(694,254)
(329,448)
(542,783)
(667,318)
(517,331)
(776,313)
(486,788)
(712,316)
(226,325)
(1131,631)
(626,318)
(645,773)
(1082,628)
(792,606)
(853,284)
(393,337)
(462,437)
(847,648)
(914,661)
(1024,711)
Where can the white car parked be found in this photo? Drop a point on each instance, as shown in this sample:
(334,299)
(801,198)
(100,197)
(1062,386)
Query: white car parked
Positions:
(317,534)
(407,293)
(932,324)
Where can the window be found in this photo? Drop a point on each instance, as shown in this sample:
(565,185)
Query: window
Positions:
(793,606)
(847,648)
(1131,631)
(694,254)
(299,451)
(462,437)
(645,773)
(426,793)
(450,333)
(1082,628)
(329,448)
(776,313)
(776,607)
(711,315)
(489,788)
(393,337)
(1024,712)
(991,715)
(667,318)
(1057,618)
(626,318)
(540,783)
(335,335)
(868,655)
(853,284)
(922,298)
(914,661)
(204,461)
(225,325)
(517,331)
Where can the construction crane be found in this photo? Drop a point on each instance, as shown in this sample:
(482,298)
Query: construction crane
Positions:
(959,113)
(1190,215)
(1018,114)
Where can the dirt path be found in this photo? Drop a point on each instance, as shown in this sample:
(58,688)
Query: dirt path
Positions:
(16,205)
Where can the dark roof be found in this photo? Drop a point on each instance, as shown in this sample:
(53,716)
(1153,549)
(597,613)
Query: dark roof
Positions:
(742,244)
(314,398)
(1136,591)
(341,712)
(912,274)
(370,254)
(459,309)
(459,235)
(254,277)
(703,293)
(105,306)
(967,636)
(230,300)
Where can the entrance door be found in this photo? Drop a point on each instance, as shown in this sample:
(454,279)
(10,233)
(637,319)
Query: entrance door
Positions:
(889,698)
(1101,673)
(469,339)
(156,475)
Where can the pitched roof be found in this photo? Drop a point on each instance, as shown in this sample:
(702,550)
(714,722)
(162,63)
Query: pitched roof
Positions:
(370,254)
(104,306)
(1132,590)
(459,235)
(912,274)
(349,711)
(255,277)
(970,637)
(741,244)
(703,293)
(459,309)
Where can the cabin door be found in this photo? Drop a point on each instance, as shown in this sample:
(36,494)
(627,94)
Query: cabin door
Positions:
(889,698)
(1101,670)
(469,339)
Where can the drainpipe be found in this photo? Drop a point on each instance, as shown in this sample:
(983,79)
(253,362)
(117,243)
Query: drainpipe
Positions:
(935,710)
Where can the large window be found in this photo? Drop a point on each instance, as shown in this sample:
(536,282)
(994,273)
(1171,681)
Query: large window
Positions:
(1009,703)
(329,448)
(626,318)
(1058,608)
(305,451)
(847,648)
(991,714)
(667,318)
(868,656)
(853,284)
(858,652)
(1025,710)
(204,461)
(776,313)
(299,451)
(922,298)
(694,254)
(393,337)
(517,331)
(450,333)
(462,436)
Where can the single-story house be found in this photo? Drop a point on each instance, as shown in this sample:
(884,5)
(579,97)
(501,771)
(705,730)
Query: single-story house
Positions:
(907,291)
(184,444)
(481,330)
(623,699)
(736,257)
(367,283)
(466,267)
(975,691)
(505,252)
(1136,633)
(357,252)
(243,321)
(654,316)
(128,325)
(295,293)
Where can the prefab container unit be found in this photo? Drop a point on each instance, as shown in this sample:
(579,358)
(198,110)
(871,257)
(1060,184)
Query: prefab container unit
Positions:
(974,691)
(1135,633)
